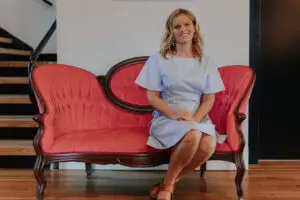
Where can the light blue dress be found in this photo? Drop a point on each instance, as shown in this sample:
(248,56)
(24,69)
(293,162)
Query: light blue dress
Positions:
(181,81)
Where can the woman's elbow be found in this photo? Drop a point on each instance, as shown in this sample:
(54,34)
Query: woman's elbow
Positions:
(152,95)
(210,98)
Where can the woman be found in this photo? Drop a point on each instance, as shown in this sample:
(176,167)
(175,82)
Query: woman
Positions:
(177,78)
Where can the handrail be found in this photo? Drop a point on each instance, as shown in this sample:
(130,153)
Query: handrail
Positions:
(48,2)
(41,45)
(33,58)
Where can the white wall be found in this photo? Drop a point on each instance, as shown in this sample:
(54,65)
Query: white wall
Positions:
(98,34)
(28,20)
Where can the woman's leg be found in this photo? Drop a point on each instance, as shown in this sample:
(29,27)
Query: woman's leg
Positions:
(206,149)
(181,156)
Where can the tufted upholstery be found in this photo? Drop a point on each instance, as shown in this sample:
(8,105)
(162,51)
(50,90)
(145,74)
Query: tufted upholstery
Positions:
(75,105)
(236,80)
(79,118)
(123,87)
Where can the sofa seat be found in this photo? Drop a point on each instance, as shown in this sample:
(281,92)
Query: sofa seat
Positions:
(109,141)
(224,147)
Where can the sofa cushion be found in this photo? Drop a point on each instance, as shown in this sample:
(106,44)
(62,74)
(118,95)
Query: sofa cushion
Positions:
(115,141)
(224,147)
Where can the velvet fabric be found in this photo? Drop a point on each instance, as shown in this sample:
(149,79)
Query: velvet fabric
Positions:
(79,118)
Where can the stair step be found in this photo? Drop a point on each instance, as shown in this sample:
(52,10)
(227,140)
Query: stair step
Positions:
(14,45)
(17,133)
(5,40)
(12,57)
(16,147)
(17,109)
(14,71)
(13,80)
(17,121)
(13,64)
(15,52)
(14,89)
(14,99)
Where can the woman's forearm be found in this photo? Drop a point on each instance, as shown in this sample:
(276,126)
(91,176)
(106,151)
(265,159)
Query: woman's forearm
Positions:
(205,106)
(162,107)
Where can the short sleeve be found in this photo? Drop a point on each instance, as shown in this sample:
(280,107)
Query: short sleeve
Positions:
(150,76)
(213,82)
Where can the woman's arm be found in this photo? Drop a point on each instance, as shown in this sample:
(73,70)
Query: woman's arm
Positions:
(155,100)
(205,106)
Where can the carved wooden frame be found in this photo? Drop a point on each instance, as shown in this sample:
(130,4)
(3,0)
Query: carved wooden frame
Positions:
(130,160)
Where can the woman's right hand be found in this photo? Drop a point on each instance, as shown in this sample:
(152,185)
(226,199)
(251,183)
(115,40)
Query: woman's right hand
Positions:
(155,100)
(184,115)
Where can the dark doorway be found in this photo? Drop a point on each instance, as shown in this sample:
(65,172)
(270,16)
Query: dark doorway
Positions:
(275,56)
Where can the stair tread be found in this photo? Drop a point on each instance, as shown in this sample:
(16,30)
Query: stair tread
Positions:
(14,95)
(16,118)
(14,99)
(21,63)
(16,147)
(15,51)
(13,80)
(5,40)
(17,121)
(13,64)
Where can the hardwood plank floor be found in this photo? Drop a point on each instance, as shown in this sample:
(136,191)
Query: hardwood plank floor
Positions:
(261,183)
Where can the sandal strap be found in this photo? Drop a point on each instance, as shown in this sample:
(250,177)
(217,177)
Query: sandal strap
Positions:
(167,187)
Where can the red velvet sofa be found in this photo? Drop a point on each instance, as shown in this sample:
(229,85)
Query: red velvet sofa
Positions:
(104,119)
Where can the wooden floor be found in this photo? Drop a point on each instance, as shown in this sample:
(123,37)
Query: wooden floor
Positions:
(267,182)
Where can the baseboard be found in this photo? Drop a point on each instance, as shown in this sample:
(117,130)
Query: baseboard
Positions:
(211,165)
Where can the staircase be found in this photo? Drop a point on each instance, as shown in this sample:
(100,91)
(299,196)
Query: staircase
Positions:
(17,128)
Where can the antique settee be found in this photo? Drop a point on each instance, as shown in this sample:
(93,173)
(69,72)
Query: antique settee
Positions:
(104,119)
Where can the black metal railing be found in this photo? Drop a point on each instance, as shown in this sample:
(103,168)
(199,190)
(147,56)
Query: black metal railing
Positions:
(34,57)
(48,2)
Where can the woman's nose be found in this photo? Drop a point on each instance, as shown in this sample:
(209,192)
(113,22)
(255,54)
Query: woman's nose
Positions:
(183,29)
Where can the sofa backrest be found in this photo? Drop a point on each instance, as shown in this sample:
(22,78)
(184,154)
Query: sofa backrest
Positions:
(238,81)
(78,100)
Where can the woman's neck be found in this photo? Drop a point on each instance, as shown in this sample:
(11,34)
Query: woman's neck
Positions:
(184,50)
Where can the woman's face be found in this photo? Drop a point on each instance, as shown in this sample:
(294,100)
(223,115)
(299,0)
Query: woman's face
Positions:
(183,29)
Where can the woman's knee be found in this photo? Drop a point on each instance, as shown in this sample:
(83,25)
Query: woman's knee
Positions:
(207,144)
(193,137)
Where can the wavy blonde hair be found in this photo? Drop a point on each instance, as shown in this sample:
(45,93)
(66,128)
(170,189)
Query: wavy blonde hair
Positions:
(166,45)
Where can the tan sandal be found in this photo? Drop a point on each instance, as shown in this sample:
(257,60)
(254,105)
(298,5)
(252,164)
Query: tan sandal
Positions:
(167,188)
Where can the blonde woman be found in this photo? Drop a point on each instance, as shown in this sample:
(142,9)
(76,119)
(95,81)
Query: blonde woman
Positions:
(177,78)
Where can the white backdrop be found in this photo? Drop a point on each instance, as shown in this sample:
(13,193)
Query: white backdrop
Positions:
(97,34)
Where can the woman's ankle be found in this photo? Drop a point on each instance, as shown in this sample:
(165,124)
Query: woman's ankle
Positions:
(168,186)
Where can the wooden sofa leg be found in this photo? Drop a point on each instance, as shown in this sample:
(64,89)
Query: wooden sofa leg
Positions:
(202,169)
(88,170)
(240,166)
(40,177)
